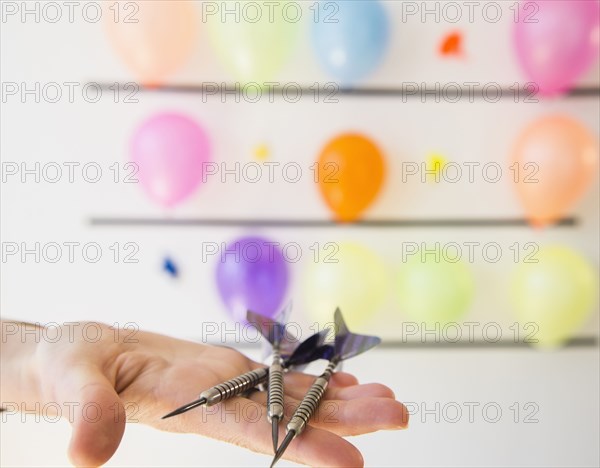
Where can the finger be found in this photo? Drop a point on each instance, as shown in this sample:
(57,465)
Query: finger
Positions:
(361,416)
(374,390)
(353,417)
(243,422)
(96,413)
(343,379)
(299,379)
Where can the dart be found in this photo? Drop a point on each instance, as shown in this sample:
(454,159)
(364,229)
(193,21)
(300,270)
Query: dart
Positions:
(275,333)
(345,346)
(307,351)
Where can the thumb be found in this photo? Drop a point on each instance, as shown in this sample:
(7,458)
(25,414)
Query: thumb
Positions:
(98,418)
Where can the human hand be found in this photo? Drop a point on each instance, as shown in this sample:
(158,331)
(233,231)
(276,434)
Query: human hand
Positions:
(143,378)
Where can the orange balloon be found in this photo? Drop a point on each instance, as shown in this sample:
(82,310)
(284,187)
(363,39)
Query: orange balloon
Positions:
(351,174)
(555,160)
(154,38)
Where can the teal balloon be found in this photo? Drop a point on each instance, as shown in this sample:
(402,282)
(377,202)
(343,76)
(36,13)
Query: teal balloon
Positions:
(431,289)
(350,38)
(556,294)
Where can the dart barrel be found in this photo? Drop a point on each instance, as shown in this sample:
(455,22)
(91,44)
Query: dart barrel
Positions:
(275,409)
(311,401)
(235,386)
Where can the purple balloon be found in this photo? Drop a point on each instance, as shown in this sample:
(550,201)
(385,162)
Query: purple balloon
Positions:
(252,274)
(558,42)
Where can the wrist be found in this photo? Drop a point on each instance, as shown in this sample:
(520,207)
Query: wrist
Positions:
(19,373)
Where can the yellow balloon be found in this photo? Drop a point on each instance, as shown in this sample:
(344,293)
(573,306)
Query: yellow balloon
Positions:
(433,289)
(254,42)
(352,278)
(556,294)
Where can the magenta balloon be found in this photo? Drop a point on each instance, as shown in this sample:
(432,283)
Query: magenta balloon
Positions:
(171,152)
(252,274)
(557,43)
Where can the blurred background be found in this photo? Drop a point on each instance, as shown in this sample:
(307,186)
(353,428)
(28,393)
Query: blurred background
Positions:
(429,167)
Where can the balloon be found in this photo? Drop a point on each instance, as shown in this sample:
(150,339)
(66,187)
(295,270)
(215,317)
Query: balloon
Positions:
(433,288)
(557,41)
(556,294)
(171,152)
(350,277)
(555,160)
(351,172)
(254,44)
(153,38)
(252,274)
(350,40)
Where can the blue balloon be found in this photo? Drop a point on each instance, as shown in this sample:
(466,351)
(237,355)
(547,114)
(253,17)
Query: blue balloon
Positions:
(350,38)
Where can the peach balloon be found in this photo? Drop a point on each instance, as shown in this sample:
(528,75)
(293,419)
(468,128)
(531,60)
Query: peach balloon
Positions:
(154,38)
(555,160)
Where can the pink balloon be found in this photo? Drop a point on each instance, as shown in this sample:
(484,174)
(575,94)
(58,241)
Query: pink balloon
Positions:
(171,152)
(557,43)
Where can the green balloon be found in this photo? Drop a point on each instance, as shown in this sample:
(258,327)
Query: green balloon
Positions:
(255,44)
(557,294)
(353,278)
(432,289)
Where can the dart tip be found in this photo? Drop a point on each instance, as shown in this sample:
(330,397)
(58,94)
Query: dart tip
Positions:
(185,408)
(275,432)
(171,414)
(284,445)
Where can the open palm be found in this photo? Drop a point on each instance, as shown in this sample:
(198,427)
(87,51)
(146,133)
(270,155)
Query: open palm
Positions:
(143,379)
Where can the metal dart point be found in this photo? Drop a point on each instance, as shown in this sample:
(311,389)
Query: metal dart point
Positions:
(275,432)
(226,390)
(185,408)
(283,447)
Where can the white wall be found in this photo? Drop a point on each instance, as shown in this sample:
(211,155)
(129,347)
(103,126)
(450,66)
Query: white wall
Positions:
(564,384)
